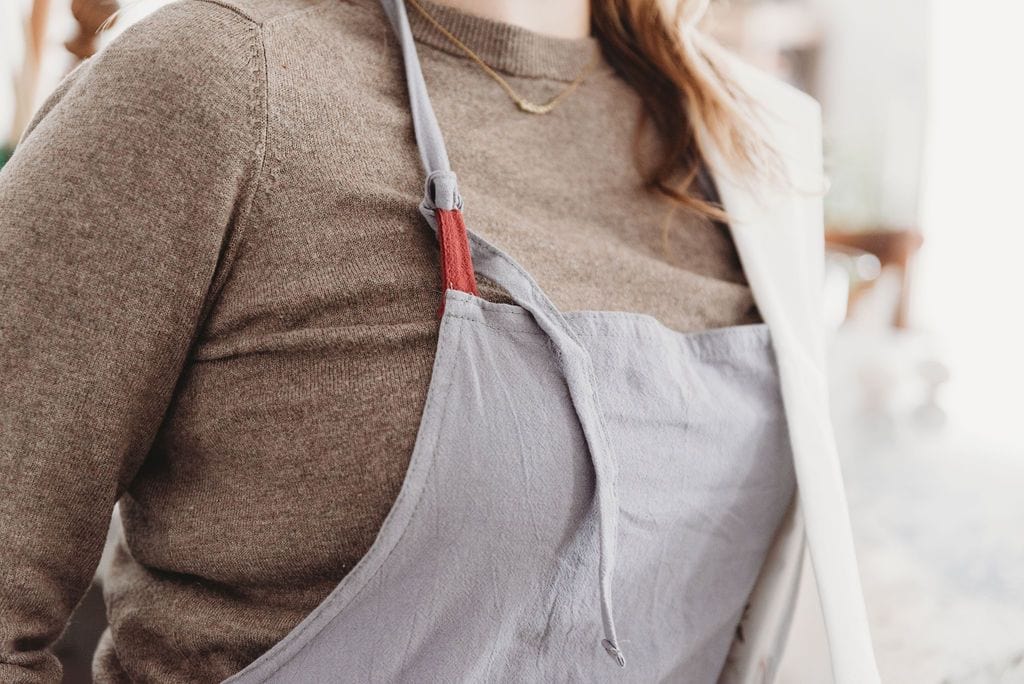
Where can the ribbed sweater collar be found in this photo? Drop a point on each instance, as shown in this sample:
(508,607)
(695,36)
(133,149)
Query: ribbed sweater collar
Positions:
(506,48)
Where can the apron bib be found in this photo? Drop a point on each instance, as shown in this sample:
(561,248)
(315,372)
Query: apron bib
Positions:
(563,459)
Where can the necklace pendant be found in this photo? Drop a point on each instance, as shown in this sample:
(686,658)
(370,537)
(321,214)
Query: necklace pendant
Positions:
(534,108)
(524,105)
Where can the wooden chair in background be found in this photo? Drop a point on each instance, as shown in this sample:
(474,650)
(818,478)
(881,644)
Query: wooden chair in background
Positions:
(894,249)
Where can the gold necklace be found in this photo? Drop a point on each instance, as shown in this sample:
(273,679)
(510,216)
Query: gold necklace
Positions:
(521,102)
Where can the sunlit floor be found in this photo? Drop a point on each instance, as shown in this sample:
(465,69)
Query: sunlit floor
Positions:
(938,518)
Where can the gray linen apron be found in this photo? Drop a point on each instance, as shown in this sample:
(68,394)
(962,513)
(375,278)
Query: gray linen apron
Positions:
(563,458)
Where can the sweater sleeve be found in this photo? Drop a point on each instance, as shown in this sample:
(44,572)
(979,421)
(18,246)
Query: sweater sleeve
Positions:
(119,211)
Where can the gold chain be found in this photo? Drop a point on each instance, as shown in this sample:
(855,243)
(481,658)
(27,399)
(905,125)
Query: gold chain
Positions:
(521,102)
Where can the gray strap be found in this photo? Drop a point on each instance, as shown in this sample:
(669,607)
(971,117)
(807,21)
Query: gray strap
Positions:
(441,188)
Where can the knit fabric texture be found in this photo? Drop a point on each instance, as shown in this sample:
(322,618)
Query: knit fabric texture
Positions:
(218,304)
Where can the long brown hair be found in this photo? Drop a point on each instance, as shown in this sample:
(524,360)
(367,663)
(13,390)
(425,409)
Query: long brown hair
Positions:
(655,46)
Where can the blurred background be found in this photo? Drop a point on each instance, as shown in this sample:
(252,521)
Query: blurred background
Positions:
(924,105)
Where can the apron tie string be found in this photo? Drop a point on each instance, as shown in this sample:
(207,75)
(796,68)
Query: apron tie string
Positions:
(607,510)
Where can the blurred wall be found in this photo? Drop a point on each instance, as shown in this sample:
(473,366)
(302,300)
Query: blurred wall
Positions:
(872,83)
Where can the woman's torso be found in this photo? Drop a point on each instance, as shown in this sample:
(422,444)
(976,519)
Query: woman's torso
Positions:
(295,417)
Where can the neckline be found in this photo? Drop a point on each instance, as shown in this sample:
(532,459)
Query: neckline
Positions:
(506,48)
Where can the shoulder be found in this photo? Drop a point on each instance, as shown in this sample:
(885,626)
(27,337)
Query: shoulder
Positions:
(214,31)
(190,72)
(258,12)
(186,27)
(213,37)
(190,56)
(196,48)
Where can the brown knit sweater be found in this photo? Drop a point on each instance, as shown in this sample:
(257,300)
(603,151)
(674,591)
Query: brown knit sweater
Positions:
(217,305)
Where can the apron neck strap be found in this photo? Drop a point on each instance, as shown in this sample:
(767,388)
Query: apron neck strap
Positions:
(441,189)
(441,204)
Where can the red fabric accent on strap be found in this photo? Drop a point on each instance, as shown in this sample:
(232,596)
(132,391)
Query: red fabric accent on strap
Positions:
(456,260)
